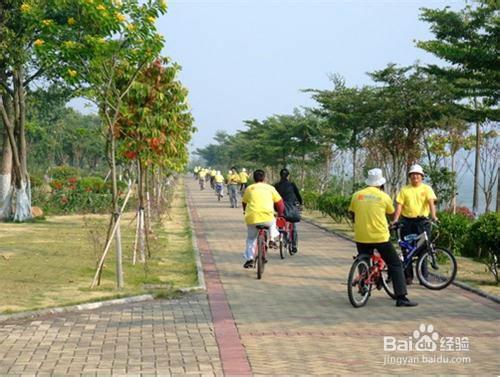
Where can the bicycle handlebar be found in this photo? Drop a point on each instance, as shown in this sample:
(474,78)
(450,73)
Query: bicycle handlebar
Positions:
(398,225)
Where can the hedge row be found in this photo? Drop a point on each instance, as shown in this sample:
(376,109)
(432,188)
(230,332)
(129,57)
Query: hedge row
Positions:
(67,193)
(460,232)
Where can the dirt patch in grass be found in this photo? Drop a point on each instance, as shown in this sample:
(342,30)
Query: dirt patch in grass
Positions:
(52,262)
(470,271)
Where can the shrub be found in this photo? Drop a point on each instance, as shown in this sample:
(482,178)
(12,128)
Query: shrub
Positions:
(94,184)
(484,237)
(36,180)
(310,199)
(464,211)
(453,230)
(62,173)
(335,206)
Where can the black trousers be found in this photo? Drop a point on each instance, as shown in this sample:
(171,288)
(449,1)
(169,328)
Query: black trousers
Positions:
(391,258)
(413,226)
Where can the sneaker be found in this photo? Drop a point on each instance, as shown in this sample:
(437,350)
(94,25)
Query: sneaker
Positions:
(248,264)
(405,302)
(273,244)
(294,250)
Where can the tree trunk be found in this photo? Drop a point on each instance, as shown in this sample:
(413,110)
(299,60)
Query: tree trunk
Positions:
(140,213)
(13,111)
(5,178)
(354,153)
(454,197)
(475,197)
(498,190)
(116,213)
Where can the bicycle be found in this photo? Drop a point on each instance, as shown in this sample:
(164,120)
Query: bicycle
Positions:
(442,263)
(366,271)
(286,230)
(369,270)
(218,190)
(261,250)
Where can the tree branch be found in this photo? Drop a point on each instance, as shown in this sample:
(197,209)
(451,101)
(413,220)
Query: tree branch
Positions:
(7,89)
(32,77)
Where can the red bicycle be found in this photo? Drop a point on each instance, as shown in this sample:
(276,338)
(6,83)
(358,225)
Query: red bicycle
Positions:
(260,252)
(365,272)
(286,230)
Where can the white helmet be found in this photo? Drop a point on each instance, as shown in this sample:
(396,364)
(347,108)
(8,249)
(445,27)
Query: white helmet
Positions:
(243,169)
(217,172)
(416,169)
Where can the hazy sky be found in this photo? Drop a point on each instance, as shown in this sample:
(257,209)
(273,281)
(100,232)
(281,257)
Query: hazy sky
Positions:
(249,59)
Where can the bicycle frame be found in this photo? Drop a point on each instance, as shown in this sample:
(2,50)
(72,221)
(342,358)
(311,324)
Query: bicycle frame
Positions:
(262,233)
(412,247)
(376,268)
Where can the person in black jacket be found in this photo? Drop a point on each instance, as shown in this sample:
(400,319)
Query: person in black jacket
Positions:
(291,196)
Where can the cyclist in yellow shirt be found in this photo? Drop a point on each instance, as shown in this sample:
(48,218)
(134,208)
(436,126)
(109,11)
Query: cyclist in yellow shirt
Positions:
(259,201)
(233,181)
(201,178)
(213,173)
(243,180)
(371,230)
(415,202)
(219,183)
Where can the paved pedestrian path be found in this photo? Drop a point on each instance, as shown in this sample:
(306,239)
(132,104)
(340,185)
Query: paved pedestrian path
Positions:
(148,338)
(297,319)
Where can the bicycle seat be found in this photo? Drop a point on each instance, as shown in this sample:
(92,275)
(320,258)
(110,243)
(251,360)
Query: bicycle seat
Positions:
(262,226)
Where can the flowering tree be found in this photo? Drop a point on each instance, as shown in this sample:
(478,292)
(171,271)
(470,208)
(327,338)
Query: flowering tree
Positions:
(81,41)
(99,47)
(154,128)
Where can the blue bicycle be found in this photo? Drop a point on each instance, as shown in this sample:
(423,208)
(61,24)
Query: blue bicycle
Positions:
(436,267)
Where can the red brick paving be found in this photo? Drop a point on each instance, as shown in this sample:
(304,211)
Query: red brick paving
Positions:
(232,353)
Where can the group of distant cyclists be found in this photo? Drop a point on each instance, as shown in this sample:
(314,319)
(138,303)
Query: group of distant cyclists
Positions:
(370,206)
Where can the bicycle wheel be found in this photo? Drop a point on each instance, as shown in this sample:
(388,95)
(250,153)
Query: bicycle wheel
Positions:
(261,244)
(387,282)
(282,245)
(357,289)
(437,268)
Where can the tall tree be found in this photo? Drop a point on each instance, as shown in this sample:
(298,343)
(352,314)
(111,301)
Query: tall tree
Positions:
(411,102)
(349,114)
(105,47)
(469,39)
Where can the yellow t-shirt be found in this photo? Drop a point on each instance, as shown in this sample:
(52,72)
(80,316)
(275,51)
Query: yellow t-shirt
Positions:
(233,179)
(243,177)
(202,173)
(219,178)
(370,206)
(259,199)
(415,200)
(213,173)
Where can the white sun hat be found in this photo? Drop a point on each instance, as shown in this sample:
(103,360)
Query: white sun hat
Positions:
(375,178)
(243,169)
(416,169)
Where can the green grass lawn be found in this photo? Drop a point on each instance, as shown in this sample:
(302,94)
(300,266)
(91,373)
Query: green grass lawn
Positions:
(52,262)
(469,271)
